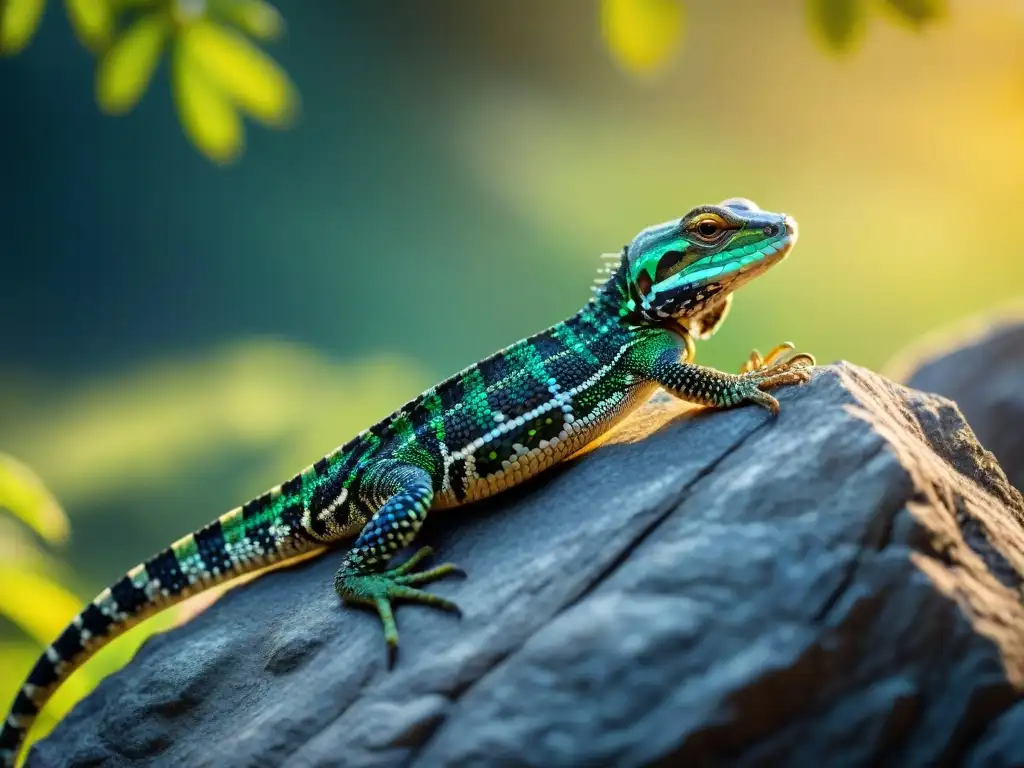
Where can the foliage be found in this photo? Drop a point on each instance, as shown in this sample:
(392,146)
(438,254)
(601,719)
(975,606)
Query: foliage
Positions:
(216,71)
(642,35)
(839,24)
(33,596)
(23,494)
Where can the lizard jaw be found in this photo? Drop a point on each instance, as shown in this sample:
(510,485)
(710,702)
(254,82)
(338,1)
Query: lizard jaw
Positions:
(698,291)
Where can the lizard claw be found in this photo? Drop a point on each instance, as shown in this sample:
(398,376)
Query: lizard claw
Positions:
(783,365)
(781,352)
(381,590)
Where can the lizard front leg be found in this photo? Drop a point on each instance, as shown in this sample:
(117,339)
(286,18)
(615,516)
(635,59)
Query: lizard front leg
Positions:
(404,494)
(707,386)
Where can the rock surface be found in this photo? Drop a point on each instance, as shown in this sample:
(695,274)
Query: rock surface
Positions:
(837,586)
(986,380)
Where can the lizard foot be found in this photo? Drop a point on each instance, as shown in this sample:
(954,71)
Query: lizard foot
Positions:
(756,361)
(780,366)
(380,590)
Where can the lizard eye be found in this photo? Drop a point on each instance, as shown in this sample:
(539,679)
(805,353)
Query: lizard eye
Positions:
(707,229)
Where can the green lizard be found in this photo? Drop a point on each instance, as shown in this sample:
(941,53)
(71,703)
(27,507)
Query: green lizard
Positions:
(485,429)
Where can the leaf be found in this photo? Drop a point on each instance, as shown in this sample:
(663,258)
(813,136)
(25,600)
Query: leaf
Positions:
(19,20)
(23,494)
(16,659)
(37,604)
(93,22)
(642,34)
(839,24)
(207,114)
(255,82)
(918,13)
(254,17)
(126,69)
(35,614)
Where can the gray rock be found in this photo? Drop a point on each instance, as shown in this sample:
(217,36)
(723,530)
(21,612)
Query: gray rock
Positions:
(837,586)
(985,377)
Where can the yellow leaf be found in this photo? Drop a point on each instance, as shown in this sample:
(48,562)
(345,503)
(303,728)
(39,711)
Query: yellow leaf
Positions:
(23,494)
(917,13)
(93,22)
(255,82)
(838,24)
(254,17)
(207,114)
(40,606)
(19,20)
(16,661)
(126,69)
(642,34)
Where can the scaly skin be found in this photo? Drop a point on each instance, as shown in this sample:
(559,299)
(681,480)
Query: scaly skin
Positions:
(488,428)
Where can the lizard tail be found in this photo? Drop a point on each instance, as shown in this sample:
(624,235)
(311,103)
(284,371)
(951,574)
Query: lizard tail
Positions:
(244,540)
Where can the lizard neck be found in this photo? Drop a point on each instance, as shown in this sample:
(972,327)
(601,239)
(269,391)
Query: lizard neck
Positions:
(610,297)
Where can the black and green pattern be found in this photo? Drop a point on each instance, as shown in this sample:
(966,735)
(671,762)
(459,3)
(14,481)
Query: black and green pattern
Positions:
(488,428)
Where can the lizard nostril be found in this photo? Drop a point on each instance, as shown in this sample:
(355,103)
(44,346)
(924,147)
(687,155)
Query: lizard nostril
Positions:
(771,230)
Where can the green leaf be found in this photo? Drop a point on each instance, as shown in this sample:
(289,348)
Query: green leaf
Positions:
(37,604)
(838,24)
(254,17)
(126,69)
(642,34)
(250,77)
(19,20)
(207,114)
(23,494)
(917,13)
(93,22)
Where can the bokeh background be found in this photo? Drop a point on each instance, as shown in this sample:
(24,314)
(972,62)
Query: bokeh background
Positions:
(177,334)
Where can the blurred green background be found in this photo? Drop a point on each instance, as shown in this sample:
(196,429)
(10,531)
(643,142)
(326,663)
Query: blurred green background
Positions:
(177,334)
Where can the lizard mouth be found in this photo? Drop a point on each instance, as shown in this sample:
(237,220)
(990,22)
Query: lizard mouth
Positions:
(748,266)
(741,265)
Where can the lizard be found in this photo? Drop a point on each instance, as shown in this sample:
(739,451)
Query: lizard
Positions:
(489,427)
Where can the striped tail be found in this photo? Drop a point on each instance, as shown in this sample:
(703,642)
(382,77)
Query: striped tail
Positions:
(263,532)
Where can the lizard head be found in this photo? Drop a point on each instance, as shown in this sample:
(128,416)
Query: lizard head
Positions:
(679,269)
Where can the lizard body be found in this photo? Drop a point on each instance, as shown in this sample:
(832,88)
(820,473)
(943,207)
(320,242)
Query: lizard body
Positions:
(487,428)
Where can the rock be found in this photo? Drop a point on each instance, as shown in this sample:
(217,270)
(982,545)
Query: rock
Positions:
(984,375)
(840,585)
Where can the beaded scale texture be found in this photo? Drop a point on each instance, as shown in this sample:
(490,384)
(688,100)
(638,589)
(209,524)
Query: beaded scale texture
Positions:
(485,429)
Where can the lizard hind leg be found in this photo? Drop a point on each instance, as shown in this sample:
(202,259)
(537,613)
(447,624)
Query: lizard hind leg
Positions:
(364,579)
